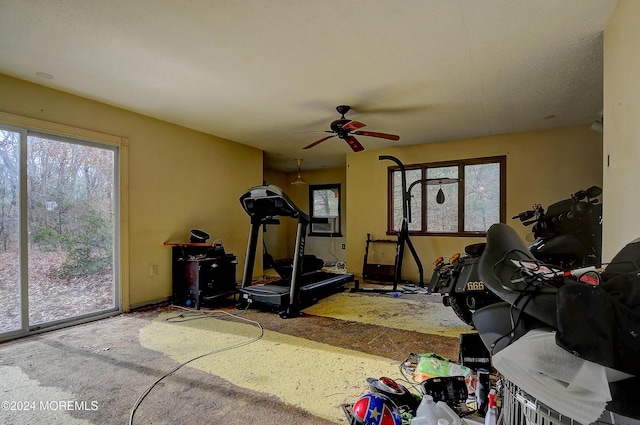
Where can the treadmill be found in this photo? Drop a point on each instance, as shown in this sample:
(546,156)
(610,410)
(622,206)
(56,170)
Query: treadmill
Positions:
(288,296)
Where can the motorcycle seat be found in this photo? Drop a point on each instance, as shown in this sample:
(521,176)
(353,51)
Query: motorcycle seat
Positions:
(499,274)
(475,250)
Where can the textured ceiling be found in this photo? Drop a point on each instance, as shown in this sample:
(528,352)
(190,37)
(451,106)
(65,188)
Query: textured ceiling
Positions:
(270,73)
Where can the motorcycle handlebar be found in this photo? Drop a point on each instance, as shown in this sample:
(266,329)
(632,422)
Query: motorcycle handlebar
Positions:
(524,215)
(579,195)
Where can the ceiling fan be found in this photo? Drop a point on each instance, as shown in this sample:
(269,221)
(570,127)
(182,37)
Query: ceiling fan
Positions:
(345,128)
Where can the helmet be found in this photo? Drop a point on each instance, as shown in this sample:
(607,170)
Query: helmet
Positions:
(398,394)
(376,409)
(386,386)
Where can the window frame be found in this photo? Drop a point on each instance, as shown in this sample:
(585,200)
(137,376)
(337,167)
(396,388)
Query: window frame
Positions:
(460,163)
(314,219)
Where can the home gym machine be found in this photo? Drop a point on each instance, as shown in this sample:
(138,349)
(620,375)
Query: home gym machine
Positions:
(288,296)
(403,233)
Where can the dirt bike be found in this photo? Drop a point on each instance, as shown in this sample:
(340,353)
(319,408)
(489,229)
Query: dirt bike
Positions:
(567,235)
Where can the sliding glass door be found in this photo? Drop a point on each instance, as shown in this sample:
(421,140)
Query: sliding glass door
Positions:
(61,242)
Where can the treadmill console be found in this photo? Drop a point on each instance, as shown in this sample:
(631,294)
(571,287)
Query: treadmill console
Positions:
(269,201)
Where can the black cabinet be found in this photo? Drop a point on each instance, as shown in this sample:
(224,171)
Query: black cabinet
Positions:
(201,275)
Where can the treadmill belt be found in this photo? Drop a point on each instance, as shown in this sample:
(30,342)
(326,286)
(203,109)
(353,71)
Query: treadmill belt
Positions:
(314,285)
(317,280)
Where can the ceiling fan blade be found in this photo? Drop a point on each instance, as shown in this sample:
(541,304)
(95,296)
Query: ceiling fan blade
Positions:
(319,141)
(376,134)
(353,125)
(353,142)
(312,131)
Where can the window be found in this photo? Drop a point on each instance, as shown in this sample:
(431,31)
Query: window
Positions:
(467,203)
(325,210)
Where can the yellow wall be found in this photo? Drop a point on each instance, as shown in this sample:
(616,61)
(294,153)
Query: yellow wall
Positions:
(179,179)
(542,167)
(621,128)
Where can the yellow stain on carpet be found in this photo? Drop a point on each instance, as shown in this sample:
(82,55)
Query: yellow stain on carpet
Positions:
(399,313)
(313,376)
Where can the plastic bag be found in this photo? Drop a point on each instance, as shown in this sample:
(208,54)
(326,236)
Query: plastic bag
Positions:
(431,365)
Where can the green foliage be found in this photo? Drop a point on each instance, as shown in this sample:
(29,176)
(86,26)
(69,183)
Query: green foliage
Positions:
(90,248)
(70,201)
(48,239)
(82,262)
(88,245)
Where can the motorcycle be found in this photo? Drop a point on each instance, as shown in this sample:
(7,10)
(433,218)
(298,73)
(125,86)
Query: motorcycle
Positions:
(550,324)
(458,282)
(567,235)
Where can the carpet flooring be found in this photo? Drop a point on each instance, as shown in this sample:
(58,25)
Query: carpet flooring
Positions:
(173,366)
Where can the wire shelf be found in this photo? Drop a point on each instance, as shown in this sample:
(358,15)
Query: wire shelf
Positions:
(520,408)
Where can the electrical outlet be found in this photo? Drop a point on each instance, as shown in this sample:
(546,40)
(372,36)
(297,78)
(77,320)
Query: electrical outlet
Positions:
(153,270)
(344,246)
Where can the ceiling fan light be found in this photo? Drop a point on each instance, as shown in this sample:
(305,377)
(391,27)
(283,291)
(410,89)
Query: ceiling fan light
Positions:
(299,180)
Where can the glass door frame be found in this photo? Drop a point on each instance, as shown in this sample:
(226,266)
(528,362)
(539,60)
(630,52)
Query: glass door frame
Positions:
(22,286)
(119,146)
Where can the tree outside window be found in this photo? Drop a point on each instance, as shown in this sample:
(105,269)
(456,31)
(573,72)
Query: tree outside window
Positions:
(466,208)
(325,210)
